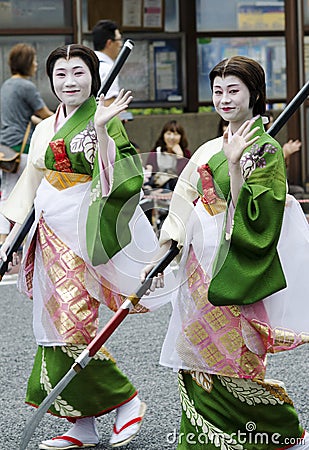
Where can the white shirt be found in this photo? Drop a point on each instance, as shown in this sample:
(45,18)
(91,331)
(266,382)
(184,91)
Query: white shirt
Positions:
(106,63)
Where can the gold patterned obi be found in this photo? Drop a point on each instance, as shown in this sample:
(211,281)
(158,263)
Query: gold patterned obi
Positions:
(65,180)
(212,336)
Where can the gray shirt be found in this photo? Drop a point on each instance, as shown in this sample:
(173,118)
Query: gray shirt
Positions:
(19,100)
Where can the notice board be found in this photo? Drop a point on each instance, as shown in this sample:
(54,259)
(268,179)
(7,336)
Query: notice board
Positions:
(134,15)
(155,70)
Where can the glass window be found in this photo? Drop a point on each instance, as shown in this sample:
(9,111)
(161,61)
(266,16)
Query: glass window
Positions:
(306,57)
(85,26)
(160,80)
(43,45)
(35,14)
(171,16)
(269,52)
(223,15)
(306,12)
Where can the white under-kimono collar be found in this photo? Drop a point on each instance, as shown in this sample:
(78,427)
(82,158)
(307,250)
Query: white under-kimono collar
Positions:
(61,118)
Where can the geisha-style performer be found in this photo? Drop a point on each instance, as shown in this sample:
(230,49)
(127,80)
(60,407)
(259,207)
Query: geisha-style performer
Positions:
(242,277)
(85,179)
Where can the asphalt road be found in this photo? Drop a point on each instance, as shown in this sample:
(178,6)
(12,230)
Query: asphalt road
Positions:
(136,346)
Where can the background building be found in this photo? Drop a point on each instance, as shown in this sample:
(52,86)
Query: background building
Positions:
(176,43)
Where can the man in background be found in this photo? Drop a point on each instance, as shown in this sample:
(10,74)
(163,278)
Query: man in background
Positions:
(107,42)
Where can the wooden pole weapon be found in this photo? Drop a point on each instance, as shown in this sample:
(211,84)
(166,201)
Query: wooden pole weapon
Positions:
(89,352)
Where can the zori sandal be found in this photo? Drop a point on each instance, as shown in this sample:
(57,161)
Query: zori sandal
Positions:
(129,430)
(64,443)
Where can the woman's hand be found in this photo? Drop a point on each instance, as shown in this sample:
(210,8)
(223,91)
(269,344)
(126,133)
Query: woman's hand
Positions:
(234,149)
(7,244)
(105,113)
(3,255)
(177,150)
(158,281)
(241,139)
(291,147)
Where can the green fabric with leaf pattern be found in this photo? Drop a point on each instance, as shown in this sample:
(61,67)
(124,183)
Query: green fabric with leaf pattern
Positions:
(248,268)
(225,413)
(108,389)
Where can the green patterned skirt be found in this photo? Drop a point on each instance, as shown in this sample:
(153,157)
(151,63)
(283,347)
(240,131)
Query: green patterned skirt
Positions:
(99,388)
(223,413)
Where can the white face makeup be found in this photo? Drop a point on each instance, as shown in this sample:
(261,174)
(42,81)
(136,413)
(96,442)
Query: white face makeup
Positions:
(231,99)
(72,82)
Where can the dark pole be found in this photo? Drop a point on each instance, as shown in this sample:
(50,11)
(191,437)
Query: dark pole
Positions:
(294,104)
(119,62)
(17,242)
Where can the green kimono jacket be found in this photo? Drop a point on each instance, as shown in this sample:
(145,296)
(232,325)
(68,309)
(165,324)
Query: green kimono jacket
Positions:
(74,149)
(247,267)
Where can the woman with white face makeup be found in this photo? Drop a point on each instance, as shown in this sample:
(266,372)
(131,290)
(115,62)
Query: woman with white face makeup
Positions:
(85,179)
(242,278)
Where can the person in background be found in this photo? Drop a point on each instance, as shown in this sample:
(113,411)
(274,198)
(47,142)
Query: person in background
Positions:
(167,159)
(86,246)
(21,103)
(289,148)
(147,169)
(242,279)
(169,156)
(107,43)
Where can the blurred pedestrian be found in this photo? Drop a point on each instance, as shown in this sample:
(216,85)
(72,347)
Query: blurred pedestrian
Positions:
(289,148)
(169,156)
(21,103)
(107,43)
(222,126)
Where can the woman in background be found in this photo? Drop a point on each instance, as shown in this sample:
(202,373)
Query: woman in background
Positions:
(169,156)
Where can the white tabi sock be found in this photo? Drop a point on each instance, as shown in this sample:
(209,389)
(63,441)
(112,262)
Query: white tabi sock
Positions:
(127,412)
(85,430)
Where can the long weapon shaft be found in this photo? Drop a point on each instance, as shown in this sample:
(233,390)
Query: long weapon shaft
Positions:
(85,357)
(17,242)
(119,62)
(290,109)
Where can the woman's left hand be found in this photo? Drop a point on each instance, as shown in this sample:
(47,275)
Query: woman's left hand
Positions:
(177,150)
(241,139)
(105,113)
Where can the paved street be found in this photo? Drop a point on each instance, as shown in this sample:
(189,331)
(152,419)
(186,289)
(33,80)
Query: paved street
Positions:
(136,346)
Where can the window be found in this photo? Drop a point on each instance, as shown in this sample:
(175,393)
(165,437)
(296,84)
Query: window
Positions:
(233,15)
(16,14)
(269,52)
